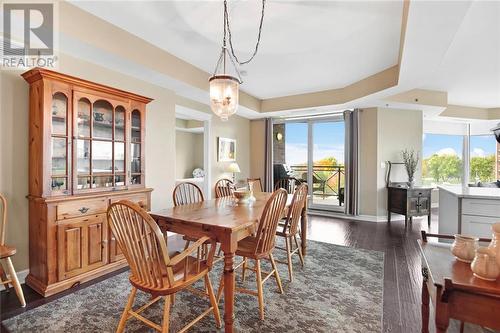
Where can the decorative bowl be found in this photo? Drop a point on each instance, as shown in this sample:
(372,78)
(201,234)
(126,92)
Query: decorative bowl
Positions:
(242,195)
(464,247)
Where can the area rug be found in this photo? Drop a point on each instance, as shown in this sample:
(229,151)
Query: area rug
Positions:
(339,290)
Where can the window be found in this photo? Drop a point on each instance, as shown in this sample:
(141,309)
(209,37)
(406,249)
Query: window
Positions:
(442,159)
(483,158)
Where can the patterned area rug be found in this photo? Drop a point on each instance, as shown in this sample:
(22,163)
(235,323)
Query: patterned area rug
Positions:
(339,290)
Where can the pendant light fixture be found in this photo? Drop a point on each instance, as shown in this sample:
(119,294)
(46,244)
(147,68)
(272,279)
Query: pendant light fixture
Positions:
(224,88)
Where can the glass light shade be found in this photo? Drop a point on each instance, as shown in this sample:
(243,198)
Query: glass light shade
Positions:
(233,167)
(224,94)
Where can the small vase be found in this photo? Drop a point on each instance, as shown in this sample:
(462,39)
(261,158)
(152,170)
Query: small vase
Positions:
(464,247)
(495,241)
(485,265)
(411,182)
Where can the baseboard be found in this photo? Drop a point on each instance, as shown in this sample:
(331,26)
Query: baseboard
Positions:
(362,218)
(21,276)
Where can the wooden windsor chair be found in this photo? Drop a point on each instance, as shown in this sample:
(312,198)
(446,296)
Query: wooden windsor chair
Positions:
(289,229)
(260,248)
(287,183)
(257,184)
(5,253)
(224,188)
(189,193)
(153,271)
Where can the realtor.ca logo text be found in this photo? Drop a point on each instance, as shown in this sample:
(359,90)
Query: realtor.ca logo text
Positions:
(28,38)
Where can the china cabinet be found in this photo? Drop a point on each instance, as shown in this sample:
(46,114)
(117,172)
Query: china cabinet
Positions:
(86,151)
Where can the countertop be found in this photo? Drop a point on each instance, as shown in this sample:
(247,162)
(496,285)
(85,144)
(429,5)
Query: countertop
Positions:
(472,192)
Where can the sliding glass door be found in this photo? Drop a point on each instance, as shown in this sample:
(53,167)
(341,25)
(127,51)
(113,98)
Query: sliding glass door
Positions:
(312,151)
(327,172)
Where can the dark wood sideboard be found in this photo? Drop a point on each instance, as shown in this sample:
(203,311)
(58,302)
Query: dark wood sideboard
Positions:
(410,202)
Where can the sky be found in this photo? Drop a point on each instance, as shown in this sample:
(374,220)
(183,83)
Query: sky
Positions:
(328,141)
(480,145)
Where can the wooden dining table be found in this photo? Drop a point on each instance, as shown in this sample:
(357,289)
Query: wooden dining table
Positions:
(454,290)
(226,221)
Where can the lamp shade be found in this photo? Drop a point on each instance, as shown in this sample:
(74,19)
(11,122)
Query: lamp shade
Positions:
(224,95)
(233,167)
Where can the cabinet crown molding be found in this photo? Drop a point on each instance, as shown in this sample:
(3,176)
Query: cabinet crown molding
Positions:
(37,73)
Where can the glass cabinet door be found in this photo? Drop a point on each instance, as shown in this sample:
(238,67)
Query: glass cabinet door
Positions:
(59,144)
(135,148)
(100,145)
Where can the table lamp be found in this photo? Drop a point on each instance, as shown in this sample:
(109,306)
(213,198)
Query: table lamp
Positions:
(233,168)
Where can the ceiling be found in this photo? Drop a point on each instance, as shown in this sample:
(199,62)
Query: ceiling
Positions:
(306,46)
(470,68)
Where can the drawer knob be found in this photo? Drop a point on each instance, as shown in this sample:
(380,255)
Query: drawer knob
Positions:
(83,210)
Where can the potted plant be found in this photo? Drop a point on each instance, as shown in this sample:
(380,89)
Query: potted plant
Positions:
(410,159)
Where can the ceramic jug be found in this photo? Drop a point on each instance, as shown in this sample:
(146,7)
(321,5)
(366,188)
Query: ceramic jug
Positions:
(495,242)
(485,265)
(464,247)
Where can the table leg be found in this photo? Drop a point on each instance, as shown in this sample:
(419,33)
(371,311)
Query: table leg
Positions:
(442,317)
(228,291)
(425,307)
(303,230)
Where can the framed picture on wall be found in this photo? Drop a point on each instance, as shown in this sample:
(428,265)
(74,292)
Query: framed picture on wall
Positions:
(226,150)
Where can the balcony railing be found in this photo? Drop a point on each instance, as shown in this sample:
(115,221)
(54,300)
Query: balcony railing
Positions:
(328,180)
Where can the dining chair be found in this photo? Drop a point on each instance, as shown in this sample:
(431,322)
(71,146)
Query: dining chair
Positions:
(289,229)
(6,252)
(224,188)
(257,184)
(287,183)
(187,193)
(153,270)
(260,247)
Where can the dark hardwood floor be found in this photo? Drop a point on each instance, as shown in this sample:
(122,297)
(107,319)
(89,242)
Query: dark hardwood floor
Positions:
(402,275)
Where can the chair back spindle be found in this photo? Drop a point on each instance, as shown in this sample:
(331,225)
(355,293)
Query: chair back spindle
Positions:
(224,188)
(187,193)
(295,211)
(269,219)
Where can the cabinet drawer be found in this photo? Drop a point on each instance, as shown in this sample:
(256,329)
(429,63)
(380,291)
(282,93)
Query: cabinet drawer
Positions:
(141,199)
(67,210)
(482,207)
(479,226)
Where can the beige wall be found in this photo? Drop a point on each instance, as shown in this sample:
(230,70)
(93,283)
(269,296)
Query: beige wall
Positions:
(160,125)
(188,153)
(14,161)
(237,128)
(396,130)
(257,149)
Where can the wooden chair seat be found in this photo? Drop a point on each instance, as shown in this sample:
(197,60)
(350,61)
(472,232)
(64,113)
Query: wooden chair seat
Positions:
(7,251)
(246,248)
(183,277)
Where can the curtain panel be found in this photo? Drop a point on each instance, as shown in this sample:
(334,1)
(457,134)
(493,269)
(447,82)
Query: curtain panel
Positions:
(268,158)
(351,118)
